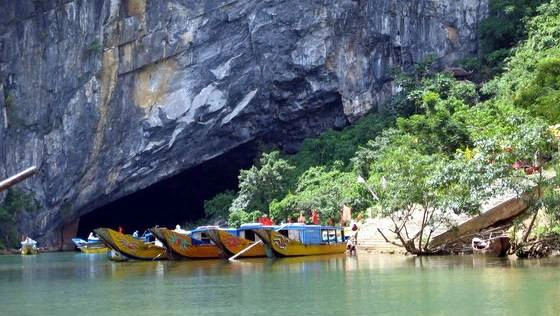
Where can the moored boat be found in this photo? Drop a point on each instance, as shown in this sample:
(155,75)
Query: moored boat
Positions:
(194,245)
(303,240)
(29,247)
(129,247)
(233,241)
(493,246)
(91,246)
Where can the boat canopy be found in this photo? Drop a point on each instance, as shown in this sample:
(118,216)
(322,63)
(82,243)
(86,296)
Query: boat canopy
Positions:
(300,226)
(313,234)
(257,226)
(203,229)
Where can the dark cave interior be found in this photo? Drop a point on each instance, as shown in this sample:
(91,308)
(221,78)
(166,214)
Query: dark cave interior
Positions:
(176,200)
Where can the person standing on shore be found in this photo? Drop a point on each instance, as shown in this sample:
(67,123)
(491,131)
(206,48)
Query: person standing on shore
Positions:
(353,241)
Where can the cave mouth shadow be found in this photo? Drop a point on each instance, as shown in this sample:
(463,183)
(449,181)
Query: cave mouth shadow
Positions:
(176,200)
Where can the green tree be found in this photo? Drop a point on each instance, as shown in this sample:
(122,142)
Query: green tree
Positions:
(339,146)
(521,157)
(14,204)
(504,28)
(325,189)
(238,217)
(542,94)
(404,180)
(262,184)
(218,206)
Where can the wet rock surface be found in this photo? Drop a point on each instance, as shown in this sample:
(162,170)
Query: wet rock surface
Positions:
(109,96)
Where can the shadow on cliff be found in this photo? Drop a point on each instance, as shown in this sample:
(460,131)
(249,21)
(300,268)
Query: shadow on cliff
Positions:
(175,200)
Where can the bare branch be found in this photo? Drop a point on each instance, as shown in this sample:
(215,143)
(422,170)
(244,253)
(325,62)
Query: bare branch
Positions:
(387,240)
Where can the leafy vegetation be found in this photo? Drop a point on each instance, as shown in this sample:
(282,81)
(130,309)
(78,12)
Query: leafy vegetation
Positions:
(14,204)
(218,206)
(323,189)
(503,30)
(263,183)
(95,46)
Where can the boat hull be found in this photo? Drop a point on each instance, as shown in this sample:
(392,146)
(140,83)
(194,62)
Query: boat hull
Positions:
(232,245)
(94,250)
(29,250)
(282,246)
(182,246)
(129,246)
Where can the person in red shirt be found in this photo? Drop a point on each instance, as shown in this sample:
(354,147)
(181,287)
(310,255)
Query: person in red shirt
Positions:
(315,217)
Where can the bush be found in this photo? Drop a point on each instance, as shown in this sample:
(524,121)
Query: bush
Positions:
(16,202)
(238,217)
(218,206)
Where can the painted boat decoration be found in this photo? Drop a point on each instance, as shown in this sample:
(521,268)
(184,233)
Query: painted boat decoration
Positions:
(29,247)
(303,240)
(129,247)
(493,246)
(194,245)
(91,246)
(232,241)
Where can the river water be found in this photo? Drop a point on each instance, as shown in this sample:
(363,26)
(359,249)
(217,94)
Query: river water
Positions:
(79,284)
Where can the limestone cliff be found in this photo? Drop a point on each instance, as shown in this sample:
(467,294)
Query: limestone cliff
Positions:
(110,96)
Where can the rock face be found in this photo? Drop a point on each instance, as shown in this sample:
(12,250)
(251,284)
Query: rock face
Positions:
(110,96)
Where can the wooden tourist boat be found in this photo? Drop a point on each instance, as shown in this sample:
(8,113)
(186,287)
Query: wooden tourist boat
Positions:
(303,240)
(233,241)
(29,247)
(493,246)
(194,245)
(129,247)
(91,246)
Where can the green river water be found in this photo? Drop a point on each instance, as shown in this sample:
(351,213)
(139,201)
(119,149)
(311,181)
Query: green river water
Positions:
(78,284)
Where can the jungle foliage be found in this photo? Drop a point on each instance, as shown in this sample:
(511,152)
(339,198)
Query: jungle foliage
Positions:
(15,202)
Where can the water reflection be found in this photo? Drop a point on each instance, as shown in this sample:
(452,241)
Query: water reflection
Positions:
(389,284)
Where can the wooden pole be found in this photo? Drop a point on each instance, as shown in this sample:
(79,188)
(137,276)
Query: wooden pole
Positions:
(245,250)
(17,178)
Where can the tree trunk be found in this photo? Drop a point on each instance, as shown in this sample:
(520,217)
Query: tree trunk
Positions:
(422,228)
(530,228)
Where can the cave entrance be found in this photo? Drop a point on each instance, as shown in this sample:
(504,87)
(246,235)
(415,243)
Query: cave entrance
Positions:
(176,200)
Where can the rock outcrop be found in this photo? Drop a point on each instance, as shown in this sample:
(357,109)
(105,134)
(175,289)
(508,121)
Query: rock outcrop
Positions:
(110,96)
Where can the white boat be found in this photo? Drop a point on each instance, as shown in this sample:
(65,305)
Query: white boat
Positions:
(29,247)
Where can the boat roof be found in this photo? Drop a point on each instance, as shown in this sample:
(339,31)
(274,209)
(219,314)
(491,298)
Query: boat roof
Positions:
(299,226)
(256,226)
(207,228)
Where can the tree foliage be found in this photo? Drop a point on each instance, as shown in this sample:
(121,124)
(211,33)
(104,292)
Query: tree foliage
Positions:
(325,189)
(262,184)
(504,28)
(541,95)
(14,204)
(218,206)
(339,146)
(405,178)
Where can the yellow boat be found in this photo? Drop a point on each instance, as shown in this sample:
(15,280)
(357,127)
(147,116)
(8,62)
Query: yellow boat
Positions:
(129,246)
(91,246)
(233,241)
(29,247)
(94,250)
(195,245)
(303,240)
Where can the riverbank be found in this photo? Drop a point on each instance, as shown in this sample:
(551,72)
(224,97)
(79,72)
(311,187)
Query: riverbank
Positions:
(9,251)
